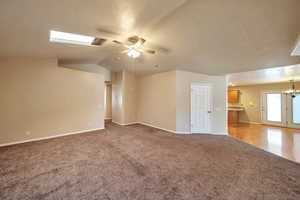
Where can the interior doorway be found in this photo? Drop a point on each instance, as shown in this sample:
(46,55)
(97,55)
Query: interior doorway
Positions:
(108,102)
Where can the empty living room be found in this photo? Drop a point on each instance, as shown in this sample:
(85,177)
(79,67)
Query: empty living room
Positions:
(150,100)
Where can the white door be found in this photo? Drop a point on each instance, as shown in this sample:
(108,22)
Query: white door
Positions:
(200,108)
(274,108)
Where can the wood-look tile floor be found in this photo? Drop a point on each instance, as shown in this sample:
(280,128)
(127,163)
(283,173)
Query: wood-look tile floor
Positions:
(283,142)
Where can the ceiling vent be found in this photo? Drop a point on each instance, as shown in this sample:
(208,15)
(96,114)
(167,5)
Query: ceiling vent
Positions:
(296,50)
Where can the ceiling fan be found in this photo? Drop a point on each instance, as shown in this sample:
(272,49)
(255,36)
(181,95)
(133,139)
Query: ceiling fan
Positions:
(133,44)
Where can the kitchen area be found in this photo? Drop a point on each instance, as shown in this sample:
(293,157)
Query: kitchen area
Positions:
(245,119)
(234,106)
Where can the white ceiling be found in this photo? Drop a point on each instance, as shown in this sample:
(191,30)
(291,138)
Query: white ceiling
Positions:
(207,36)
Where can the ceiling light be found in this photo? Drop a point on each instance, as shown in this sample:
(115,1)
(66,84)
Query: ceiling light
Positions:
(70,38)
(138,44)
(133,53)
(293,90)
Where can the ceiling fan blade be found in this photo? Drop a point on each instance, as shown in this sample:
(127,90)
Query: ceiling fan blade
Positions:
(149,51)
(133,39)
(98,41)
(158,48)
(142,40)
(118,42)
(121,43)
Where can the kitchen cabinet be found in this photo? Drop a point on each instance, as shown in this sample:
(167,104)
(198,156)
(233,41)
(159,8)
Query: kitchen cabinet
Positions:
(233,96)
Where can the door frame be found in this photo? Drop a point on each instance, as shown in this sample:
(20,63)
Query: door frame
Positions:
(208,131)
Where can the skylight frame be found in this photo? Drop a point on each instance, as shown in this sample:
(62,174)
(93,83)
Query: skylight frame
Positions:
(70,38)
(296,49)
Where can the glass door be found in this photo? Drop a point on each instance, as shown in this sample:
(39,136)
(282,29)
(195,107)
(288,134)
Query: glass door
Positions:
(274,108)
(293,111)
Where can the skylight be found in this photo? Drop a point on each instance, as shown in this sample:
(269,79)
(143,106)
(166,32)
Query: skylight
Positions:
(296,50)
(70,38)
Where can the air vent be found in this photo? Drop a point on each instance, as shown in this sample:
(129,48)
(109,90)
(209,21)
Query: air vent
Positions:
(296,51)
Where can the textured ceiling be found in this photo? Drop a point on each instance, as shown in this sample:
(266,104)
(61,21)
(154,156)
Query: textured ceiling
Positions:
(262,76)
(207,36)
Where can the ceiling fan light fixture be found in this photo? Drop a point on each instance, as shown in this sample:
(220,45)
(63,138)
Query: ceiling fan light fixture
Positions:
(137,45)
(133,53)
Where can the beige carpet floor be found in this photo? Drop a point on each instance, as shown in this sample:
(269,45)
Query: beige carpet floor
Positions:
(138,162)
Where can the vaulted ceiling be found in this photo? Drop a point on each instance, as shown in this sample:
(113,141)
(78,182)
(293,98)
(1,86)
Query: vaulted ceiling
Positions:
(207,36)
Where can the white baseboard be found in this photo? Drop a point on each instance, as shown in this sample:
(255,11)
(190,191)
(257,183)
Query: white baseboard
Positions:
(131,123)
(210,133)
(89,130)
(219,133)
(118,123)
(146,124)
(183,132)
(168,130)
(50,137)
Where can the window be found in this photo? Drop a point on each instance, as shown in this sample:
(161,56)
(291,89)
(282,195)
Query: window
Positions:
(70,38)
(296,109)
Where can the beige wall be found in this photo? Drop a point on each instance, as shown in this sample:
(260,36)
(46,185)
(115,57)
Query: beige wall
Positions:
(250,97)
(40,99)
(164,100)
(108,101)
(117,98)
(157,100)
(129,97)
(184,80)
(124,97)
(94,68)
